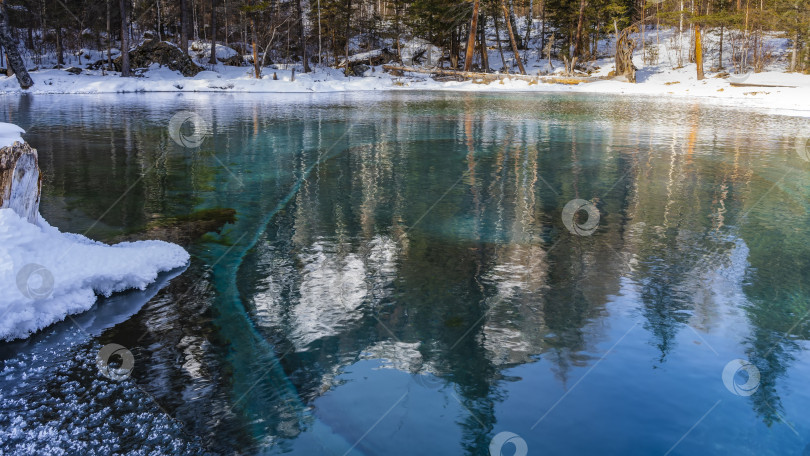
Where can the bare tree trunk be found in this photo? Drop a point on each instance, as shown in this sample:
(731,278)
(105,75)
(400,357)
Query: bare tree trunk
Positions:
(512,37)
(109,37)
(213,59)
(159,21)
(794,52)
(483,44)
(500,47)
(13,58)
(399,57)
(348,30)
(60,55)
(580,22)
(698,52)
(529,22)
(184,26)
(468,58)
(124,40)
(680,37)
(720,58)
(257,71)
(302,36)
(543,26)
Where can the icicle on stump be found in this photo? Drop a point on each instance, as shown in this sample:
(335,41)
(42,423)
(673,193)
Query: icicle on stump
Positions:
(20,182)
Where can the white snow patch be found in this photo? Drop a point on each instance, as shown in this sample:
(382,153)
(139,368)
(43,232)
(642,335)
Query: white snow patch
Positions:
(46,275)
(10,133)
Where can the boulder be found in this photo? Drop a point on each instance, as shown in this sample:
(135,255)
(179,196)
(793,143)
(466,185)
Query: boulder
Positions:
(234,60)
(164,54)
(360,69)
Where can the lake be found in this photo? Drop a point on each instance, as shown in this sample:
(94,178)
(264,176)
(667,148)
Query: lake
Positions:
(426,273)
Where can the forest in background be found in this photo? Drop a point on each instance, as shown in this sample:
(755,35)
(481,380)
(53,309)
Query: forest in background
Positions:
(328,32)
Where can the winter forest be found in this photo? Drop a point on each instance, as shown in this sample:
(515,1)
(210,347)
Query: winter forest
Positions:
(437,33)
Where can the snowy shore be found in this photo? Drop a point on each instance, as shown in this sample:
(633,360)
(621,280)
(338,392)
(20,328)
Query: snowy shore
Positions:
(771,89)
(46,275)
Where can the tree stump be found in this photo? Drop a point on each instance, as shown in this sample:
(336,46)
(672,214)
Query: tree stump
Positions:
(20,181)
(624,53)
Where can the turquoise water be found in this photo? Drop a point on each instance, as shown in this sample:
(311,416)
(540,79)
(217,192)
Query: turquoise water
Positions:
(400,278)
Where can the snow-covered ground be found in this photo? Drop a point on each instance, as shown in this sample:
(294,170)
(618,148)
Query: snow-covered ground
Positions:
(9,134)
(772,88)
(46,275)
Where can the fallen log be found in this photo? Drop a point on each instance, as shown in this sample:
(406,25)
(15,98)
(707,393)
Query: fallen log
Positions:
(570,80)
(747,84)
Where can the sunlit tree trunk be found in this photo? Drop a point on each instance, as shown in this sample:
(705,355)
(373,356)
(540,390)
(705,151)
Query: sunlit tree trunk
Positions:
(698,52)
(257,70)
(471,39)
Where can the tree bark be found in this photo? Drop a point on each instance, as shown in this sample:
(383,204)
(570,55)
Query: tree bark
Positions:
(302,36)
(109,38)
(580,22)
(468,58)
(13,58)
(213,59)
(60,55)
(512,37)
(483,43)
(794,52)
(348,30)
(184,26)
(257,71)
(500,47)
(698,52)
(125,73)
(720,58)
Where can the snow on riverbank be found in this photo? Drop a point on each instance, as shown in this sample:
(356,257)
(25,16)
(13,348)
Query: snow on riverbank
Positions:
(787,91)
(773,88)
(46,275)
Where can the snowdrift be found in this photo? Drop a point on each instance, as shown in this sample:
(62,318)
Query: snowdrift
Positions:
(46,275)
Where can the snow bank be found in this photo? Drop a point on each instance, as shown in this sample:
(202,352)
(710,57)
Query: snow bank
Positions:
(46,275)
(9,133)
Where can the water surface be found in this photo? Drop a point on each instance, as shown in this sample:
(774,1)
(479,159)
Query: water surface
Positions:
(399,278)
